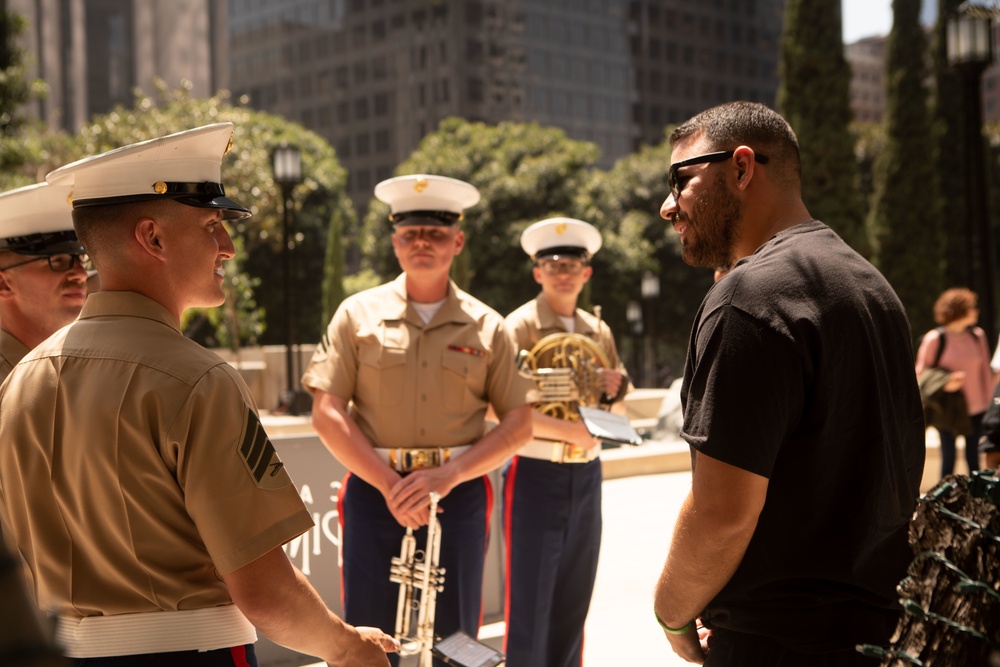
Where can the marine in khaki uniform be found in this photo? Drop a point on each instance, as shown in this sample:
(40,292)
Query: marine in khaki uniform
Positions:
(402,381)
(42,269)
(552,489)
(140,488)
(42,280)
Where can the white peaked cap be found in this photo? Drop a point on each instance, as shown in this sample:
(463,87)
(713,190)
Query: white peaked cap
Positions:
(555,236)
(186,167)
(426,193)
(37,219)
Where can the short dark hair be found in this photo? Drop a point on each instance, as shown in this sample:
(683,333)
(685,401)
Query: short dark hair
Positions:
(98,227)
(746,123)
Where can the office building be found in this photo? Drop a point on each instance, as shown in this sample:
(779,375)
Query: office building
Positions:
(94,54)
(866,58)
(375,76)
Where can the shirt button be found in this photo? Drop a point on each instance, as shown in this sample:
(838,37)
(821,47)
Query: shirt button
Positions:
(424,363)
(423,431)
(423,397)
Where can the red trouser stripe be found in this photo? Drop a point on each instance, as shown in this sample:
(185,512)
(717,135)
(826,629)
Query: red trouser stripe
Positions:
(488,491)
(508,505)
(239,654)
(340,520)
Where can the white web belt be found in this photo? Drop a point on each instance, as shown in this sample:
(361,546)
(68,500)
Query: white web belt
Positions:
(204,629)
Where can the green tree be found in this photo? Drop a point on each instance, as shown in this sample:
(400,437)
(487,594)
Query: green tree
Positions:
(257,286)
(624,203)
(814,97)
(524,173)
(869,142)
(907,247)
(950,155)
(333,264)
(16,88)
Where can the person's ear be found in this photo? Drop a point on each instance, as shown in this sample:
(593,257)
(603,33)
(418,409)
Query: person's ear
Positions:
(743,158)
(459,242)
(149,236)
(537,273)
(6,290)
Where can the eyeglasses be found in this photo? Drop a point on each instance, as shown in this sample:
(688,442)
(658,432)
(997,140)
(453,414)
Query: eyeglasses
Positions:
(436,235)
(57,263)
(675,181)
(571,266)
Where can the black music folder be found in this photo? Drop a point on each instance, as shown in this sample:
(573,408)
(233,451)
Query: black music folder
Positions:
(609,426)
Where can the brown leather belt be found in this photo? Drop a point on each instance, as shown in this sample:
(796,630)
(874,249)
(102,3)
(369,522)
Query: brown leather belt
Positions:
(408,459)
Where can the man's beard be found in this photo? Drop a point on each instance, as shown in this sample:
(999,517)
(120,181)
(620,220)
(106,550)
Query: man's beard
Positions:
(714,219)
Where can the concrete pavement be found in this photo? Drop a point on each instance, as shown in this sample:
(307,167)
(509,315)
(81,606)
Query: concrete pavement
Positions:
(639,515)
(642,495)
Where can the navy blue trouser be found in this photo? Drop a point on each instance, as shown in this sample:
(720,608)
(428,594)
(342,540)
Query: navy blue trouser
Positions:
(552,525)
(372,537)
(949,451)
(238,656)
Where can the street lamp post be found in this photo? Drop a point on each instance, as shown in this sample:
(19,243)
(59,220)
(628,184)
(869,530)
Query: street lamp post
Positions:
(650,289)
(286,161)
(633,315)
(970,52)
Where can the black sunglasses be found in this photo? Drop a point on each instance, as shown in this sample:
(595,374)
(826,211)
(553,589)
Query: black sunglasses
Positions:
(674,181)
(57,263)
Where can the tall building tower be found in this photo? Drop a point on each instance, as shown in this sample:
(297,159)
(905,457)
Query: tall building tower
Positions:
(869,85)
(375,76)
(867,59)
(93,54)
(688,56)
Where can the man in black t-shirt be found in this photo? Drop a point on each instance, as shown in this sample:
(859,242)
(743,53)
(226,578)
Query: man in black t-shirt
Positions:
(802,411)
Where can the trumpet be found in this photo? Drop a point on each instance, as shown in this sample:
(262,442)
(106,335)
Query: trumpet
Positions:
(417,570)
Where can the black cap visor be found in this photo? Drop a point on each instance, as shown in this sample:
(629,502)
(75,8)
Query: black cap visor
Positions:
(199,195)
(425,219)
(556,252)
(230,209)
(44,244)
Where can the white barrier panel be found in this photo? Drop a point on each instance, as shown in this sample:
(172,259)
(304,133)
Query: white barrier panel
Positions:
(318,477)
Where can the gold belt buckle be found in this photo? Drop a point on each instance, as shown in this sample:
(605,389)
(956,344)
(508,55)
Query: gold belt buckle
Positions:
(418,458)
(574,454)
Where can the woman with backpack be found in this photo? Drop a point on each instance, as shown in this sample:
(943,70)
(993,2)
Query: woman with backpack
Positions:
(959,347)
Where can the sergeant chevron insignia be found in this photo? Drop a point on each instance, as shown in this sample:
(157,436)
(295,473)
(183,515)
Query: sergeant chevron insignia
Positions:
(259,456)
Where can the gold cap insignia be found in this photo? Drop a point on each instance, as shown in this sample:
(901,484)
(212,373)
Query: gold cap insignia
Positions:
(69,197)
(420,185)
(229,145)
(560,228)
(160,187)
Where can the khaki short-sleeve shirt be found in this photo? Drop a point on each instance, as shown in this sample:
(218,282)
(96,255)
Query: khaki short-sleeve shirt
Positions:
(417,385)
(535,320)
(11,351)
(133,468)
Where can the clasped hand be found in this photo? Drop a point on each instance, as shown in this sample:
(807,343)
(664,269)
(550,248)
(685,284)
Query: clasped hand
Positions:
(409,499)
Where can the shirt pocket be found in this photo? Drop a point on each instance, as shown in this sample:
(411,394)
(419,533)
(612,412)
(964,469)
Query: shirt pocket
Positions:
(463,381)
(381,375)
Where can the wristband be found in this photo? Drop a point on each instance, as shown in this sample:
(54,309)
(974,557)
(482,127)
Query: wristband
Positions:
(673,631)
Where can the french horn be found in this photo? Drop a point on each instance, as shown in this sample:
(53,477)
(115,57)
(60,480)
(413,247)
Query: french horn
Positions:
(566,367)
